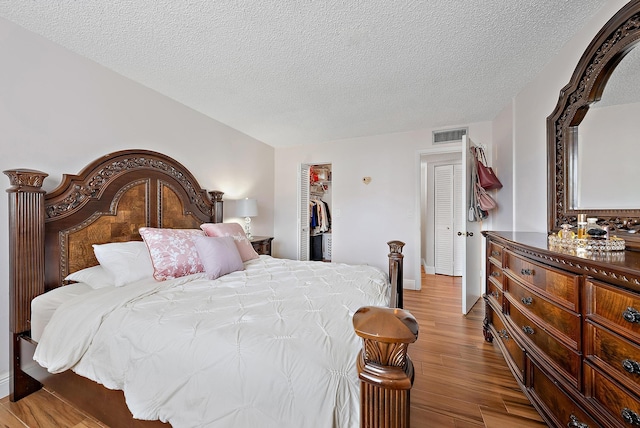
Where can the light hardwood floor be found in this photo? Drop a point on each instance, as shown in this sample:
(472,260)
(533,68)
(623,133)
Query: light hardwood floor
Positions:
(461,380)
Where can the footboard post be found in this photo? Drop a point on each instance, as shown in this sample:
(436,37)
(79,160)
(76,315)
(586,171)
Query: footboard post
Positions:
(384,368)
(395,272)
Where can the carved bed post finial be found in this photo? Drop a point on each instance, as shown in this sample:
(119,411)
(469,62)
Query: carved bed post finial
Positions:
(216,198)
(25,180)
(395,272)
(384,368)
(26,264)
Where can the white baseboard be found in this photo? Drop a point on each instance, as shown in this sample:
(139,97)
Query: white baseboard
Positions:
(409,284)
(429,270)
(4,384)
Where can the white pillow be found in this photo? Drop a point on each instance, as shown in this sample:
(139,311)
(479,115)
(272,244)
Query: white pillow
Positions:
(95,277)
(126,262)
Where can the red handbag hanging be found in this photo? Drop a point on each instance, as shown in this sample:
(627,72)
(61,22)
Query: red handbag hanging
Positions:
(486,177)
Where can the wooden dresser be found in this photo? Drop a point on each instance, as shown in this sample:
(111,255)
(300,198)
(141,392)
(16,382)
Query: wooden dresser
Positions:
(568,326)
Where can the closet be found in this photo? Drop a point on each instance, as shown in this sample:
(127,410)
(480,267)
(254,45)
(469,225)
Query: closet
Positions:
(319,214)
(447,219)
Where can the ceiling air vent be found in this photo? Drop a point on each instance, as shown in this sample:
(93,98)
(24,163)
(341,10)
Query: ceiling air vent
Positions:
(449,136)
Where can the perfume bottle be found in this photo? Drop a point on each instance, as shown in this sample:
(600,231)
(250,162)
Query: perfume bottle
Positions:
(594,230)
(582,226)
(565,232)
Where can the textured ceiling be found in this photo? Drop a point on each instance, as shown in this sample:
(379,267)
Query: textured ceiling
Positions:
(291,72)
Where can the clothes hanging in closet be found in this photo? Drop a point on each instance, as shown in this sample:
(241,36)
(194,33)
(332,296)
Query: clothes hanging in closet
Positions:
(319,216)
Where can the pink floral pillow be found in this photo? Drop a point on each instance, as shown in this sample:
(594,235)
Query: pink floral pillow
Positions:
(173,251)
(237,233)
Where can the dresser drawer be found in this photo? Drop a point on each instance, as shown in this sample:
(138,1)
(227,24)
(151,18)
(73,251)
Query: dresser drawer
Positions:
(494,273)
(614,355)
(565,323)
(515,352)
(557,285)
(622,406)
(558,354)
(617,309)
(556,404)
(495,253)
(495,293)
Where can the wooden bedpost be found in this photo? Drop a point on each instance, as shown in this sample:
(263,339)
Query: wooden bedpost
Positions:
(395,272)
(26,266)
(385,369)
(216,198)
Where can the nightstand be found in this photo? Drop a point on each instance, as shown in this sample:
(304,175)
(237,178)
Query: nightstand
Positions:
(262,244)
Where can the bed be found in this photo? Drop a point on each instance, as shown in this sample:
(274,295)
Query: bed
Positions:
(272,343)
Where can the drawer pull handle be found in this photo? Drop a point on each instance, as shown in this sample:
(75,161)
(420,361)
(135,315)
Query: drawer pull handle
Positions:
(630,417)
(631,315)
(527,329)
(496,253)
(631,366)
(494,294)
(495,273)
(527,300)
(527,272)
(575,423)
(503,334)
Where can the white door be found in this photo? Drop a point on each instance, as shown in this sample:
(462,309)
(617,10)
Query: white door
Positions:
(470,238)
(443,217)
(303,213)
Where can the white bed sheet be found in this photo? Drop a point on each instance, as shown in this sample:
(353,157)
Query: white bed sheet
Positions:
(44,305)
(270,346)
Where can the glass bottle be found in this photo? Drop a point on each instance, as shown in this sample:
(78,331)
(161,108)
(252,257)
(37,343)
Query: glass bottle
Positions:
(594,230)
(582,226)
(565,232)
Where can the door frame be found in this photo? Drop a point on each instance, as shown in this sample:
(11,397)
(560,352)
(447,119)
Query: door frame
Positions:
(420,185)
(304,228)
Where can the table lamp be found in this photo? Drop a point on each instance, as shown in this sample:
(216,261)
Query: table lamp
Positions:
(247,208)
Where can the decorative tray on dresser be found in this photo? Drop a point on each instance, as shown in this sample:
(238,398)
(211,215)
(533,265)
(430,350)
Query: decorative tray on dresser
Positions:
(568,325)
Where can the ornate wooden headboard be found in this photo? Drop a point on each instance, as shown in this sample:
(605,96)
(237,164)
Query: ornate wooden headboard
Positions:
(51,235)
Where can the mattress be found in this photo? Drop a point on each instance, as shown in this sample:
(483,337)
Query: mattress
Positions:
(270,346)
(44,305)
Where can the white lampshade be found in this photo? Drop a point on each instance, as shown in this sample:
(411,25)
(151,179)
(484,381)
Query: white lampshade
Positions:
(247,207)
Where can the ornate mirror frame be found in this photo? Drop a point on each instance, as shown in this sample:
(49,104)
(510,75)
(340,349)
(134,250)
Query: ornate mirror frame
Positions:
(618,36)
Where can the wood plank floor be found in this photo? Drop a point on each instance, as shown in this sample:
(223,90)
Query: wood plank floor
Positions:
(461,380)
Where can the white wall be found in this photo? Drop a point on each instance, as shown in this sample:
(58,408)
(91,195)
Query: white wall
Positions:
(531,108)
(364,217)
(502,162)
(59,111)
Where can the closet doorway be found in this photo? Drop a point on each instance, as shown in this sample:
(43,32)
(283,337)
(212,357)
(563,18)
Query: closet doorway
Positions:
(314,216)
(448,256)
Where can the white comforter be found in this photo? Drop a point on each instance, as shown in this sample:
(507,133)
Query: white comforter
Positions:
(270,346)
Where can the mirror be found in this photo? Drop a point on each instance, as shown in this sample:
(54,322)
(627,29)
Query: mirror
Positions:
(607,151)
(592,146)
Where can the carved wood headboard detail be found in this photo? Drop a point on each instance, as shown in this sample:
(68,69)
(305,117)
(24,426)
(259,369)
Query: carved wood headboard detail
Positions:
(107,201)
